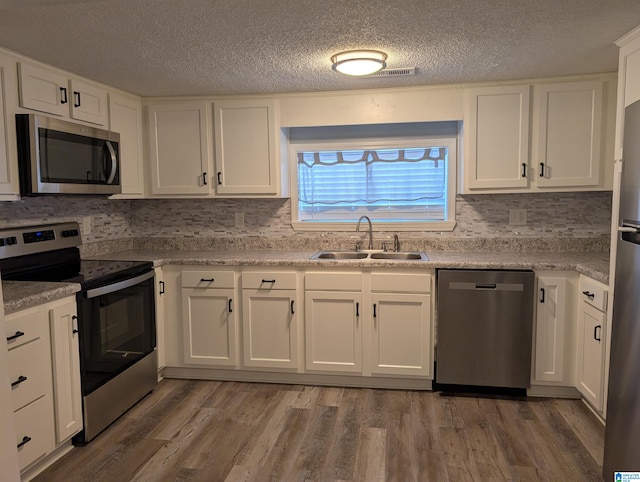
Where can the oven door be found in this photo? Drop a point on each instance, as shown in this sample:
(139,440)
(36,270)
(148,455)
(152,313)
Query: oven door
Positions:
(117,328)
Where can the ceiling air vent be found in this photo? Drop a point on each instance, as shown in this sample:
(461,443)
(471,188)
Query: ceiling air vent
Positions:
(393,73)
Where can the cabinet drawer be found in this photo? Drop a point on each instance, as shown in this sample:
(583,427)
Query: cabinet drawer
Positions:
(400,283)
(30,371)
(594,293)
(208,279)
(335,281)
(22,328)
(269,281)
(34,429)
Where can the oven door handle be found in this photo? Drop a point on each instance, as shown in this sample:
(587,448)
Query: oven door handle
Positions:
(105,290)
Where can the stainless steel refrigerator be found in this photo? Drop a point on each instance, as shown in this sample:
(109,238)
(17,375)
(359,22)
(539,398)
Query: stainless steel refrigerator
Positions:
(622,433)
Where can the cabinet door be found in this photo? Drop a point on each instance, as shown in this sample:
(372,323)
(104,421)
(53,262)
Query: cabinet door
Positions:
(179,148)
(43,90)
(333,331)
(496,127)
(270,328)
(125,118)
(209,327)
(568,134)
(88,102)
(5,171)
(65,353)
(401,334)
(591,330)
(246,154)
(550,330)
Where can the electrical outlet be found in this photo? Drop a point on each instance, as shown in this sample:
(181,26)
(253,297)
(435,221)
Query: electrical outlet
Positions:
(86,225)
(239,220)
(517,217)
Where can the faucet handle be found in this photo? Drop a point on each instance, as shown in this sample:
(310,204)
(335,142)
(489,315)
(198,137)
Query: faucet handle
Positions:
(358,245)
(385,246)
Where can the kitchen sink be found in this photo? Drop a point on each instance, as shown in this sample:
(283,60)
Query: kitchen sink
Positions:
(413,255)
(340,255)
(379,255)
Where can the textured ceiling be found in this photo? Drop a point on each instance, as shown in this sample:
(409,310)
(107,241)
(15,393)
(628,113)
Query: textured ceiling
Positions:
(209,47)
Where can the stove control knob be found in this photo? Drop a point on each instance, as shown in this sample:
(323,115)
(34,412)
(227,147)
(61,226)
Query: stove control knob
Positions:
(1,241)
(12,240)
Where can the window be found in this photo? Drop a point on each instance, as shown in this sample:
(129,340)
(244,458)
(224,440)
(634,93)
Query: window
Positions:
(400,184)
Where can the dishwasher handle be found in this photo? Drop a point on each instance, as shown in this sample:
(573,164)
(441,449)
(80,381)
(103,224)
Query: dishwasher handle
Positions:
(473,286)
(485,286)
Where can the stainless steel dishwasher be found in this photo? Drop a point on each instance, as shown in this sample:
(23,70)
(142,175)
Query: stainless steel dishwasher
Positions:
(485,323)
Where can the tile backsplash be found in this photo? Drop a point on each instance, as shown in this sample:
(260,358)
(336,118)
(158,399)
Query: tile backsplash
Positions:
(550,216)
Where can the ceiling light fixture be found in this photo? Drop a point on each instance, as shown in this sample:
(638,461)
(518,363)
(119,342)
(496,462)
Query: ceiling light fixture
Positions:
(359,62)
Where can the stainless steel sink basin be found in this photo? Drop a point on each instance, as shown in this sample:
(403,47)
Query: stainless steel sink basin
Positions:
(413,255)
(380,255)
(339,255)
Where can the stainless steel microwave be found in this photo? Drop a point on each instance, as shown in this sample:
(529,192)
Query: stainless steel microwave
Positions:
(59,157)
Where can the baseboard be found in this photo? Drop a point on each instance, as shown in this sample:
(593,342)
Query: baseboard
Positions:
(549,391)
(298,378)
(47,461)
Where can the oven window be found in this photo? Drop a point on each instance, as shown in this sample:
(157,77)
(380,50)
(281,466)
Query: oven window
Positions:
(117,330)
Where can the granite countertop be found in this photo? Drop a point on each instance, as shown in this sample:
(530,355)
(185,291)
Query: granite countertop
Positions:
(594,265)
(19,295)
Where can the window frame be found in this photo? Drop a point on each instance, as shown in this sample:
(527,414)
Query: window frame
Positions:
(450,142)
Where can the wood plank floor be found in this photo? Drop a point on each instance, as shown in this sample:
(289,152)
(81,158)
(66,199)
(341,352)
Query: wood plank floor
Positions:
(226,431)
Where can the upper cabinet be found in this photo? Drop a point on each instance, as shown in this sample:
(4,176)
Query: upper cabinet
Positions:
(125,117)
(567,134)
(246,147)
(496,133)
(563,143)
(247,157)
(9,187)
(55,93)
(179,148)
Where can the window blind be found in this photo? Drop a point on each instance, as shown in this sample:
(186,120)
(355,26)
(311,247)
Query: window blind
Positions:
(385,184)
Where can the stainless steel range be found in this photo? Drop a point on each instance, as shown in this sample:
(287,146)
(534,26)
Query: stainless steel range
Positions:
(116,316)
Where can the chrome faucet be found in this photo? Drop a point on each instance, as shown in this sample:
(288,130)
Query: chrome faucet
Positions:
(396,243)
(370,229)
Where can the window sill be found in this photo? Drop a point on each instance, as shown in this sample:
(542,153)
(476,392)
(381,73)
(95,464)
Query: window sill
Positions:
(319,226)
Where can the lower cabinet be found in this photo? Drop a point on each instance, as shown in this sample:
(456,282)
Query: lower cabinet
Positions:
(209,321)
(65,351)
(270,319)
(333,331)
(554,329)
(401,334)
(371,324)
(592,320)
(44,368)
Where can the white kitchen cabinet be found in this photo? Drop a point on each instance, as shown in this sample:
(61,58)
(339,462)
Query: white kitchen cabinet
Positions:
(333,313)
(246,147)
(65,353)
(125,118)
(160,319)
(333,331)
(496,134)
(554,331)
(9,185)
(179,148)
(567,134)
(210,326)
(592,323)
(401,341)
(30,371)
(270,318)
(53,92)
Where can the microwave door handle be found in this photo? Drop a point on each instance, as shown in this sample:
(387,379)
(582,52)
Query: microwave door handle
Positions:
(114,162)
